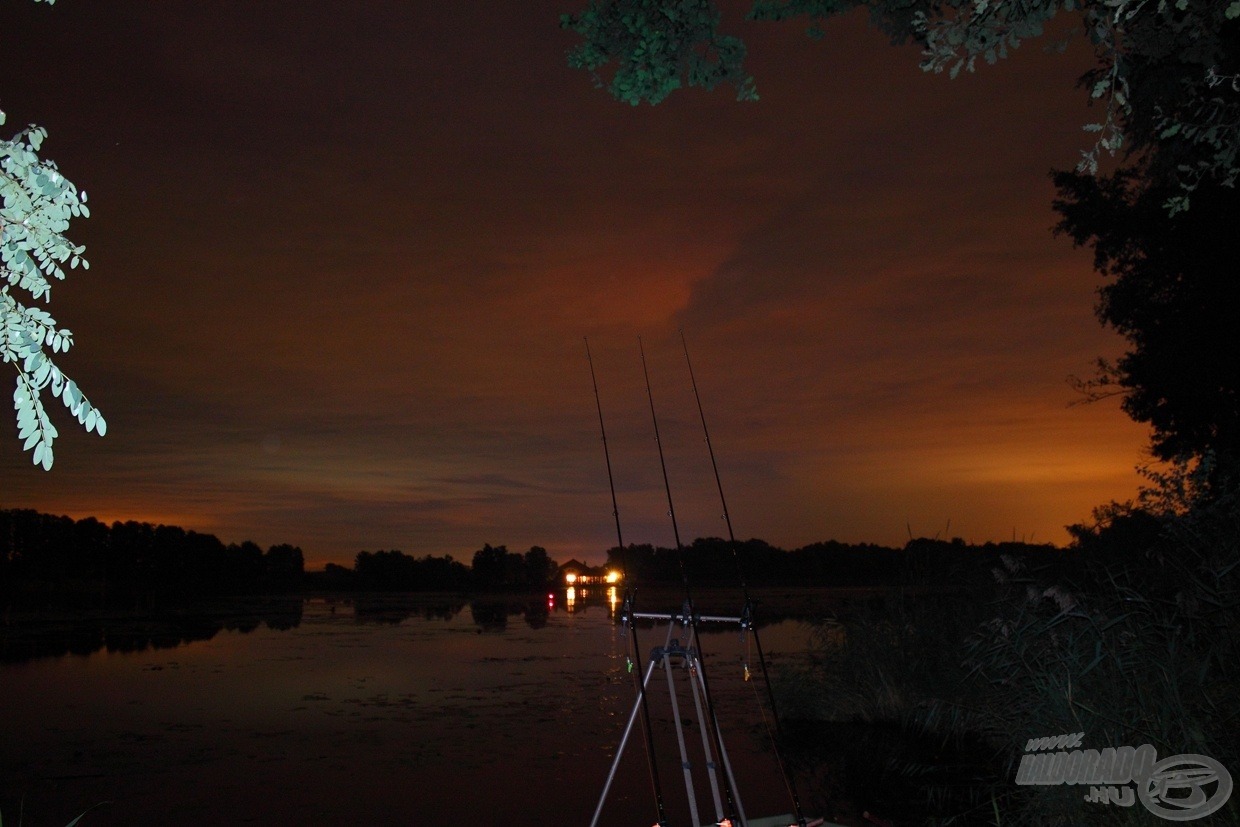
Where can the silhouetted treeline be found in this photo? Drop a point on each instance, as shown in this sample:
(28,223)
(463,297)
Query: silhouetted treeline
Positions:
(827,564)
(47,557)
(498,569)
(494,568)
(43,556)
(394,571)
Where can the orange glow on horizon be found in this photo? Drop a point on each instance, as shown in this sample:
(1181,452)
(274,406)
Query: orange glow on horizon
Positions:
(107,516)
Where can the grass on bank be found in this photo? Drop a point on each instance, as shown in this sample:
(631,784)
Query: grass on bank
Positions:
(73,823)
(925,705)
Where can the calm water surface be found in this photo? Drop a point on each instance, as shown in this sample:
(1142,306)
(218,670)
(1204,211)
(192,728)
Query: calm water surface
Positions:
(463,714)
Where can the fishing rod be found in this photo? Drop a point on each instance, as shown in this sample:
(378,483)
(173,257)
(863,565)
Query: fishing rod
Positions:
(647,733)
(690,616)
(747,613)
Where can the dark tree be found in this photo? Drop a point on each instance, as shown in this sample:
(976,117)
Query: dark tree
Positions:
(1166,74)
(1171,293)
(60,558)
(443,573)
(539,567)
(490,567)
(283,567)
(385,570)
(336,576)
(245,565)
(397,571)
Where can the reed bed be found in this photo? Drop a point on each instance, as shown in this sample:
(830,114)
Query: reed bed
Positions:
(1137,642)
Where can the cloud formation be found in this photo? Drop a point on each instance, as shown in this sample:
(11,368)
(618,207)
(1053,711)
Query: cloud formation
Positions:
(343,264)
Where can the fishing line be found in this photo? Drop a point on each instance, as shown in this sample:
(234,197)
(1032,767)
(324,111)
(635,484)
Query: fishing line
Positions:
(629,597)
(689,615)
(747,614)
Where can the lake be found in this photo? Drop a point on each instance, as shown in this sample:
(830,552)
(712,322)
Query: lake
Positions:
(370,710)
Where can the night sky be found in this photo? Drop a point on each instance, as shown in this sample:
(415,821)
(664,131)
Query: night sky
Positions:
(344,255)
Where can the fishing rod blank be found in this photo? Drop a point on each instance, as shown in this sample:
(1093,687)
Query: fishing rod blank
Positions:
(684,576)
(647,733)
(748,611)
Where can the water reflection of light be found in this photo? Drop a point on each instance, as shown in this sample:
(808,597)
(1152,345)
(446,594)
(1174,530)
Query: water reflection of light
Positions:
(612,599)
(570,598)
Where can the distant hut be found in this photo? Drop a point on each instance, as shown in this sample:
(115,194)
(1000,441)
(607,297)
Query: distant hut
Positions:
(576,573)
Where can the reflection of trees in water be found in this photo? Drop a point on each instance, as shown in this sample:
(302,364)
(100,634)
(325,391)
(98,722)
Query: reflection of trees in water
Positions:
(536,613)
(53,634)
(390,610)
(441,611)
(489,614)
(492,615)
